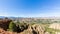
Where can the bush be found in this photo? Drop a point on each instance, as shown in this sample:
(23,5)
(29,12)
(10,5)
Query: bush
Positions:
(23,26)
(17,27)
(12,27)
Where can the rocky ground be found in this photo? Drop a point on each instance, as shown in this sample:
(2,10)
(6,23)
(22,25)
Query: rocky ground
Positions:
(31,29)
(25,29)
(55,26)
(34,29)
(2,31)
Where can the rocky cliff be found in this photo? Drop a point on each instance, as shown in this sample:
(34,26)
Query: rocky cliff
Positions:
(34,29)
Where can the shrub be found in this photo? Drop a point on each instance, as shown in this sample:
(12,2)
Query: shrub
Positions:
(12,27)
(23,26)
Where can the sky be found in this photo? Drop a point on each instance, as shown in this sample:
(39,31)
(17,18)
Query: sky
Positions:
(30,8)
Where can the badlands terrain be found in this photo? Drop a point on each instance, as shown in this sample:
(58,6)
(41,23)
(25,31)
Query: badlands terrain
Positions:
(29,25)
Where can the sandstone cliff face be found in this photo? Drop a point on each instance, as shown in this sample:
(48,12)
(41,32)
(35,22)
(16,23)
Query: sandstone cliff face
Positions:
(2,31)
(55,26)
(31,29)
(34,29)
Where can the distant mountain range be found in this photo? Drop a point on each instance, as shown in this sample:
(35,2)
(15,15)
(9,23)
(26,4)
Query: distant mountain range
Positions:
(11,17)
(2,16)
(33,17)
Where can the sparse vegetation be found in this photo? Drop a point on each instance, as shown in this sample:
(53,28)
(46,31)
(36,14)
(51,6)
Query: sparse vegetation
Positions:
(24,24)
(12,27)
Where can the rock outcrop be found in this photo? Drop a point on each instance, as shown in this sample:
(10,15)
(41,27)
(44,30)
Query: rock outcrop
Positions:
(29,29)
(2,31)
(34,29)
(55,26)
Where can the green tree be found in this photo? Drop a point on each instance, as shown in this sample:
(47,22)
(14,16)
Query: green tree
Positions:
(12,27)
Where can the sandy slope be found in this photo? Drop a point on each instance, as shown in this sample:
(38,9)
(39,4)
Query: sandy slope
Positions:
(55,26)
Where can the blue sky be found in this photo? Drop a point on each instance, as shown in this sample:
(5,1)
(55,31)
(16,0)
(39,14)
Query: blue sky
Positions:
(30,8)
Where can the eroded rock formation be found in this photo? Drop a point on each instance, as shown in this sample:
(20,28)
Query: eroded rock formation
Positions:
(34,29)
(29,29)
(55,26)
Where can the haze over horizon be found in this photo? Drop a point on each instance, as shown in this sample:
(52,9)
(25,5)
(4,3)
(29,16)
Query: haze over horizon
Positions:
(30,8)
